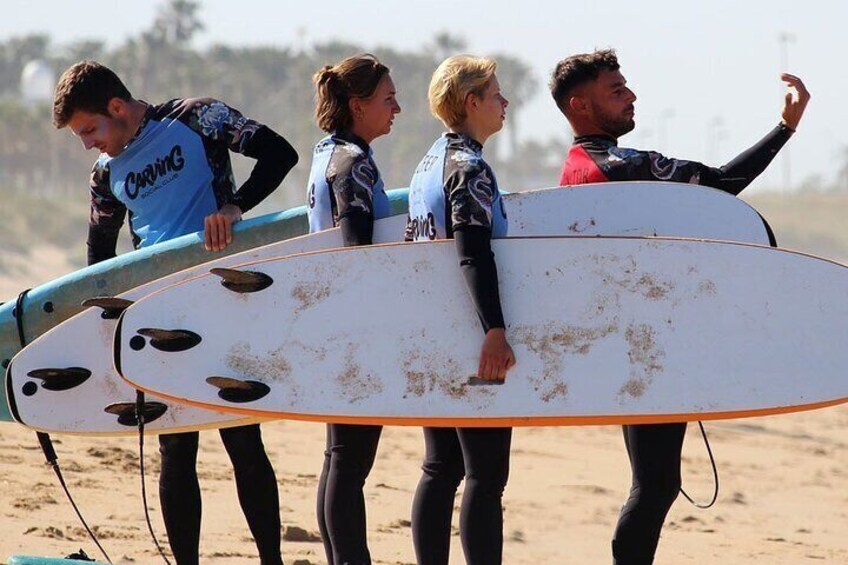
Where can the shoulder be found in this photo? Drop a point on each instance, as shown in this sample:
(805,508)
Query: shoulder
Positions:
(347,155)
(209,116)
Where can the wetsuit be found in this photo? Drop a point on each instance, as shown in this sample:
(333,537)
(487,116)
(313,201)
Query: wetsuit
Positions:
(345,189)
(454,194)
(173,173)
(654,450)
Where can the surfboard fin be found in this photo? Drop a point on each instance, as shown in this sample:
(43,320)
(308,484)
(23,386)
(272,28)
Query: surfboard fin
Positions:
(112,307)
(171,340)
(477,381)
(60,379)
(242,281)
(236,390)
(125,411)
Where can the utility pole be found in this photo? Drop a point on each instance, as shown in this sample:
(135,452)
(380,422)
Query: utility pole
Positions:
(783,40)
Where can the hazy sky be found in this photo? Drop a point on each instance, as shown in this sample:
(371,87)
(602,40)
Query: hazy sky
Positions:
(706,73)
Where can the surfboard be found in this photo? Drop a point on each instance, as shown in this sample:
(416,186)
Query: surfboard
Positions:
(605,330)
(34,560)
(102,404)
(49,304)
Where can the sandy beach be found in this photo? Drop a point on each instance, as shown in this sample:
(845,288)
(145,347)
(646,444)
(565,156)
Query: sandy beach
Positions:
(783,497)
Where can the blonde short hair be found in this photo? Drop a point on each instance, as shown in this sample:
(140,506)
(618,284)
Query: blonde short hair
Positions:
(453,81)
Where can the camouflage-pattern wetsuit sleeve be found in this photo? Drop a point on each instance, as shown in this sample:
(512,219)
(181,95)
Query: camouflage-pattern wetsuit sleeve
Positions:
(225,129)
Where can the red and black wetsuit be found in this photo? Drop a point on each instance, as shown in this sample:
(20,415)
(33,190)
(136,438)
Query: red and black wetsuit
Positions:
(598,158)
(654,450)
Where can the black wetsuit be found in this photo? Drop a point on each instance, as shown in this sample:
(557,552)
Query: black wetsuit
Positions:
(454,194)
(654,450)
(345,190)
(174,172)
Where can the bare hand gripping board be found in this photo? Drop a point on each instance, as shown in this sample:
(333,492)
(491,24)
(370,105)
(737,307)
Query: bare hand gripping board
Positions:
(605,330)
(103,404)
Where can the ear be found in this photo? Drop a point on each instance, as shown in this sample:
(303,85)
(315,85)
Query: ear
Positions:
(116,107)
(355,107)
(578,105)
(472,101)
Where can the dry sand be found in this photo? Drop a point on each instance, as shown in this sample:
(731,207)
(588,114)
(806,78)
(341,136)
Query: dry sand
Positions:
(783,495)
(783,500)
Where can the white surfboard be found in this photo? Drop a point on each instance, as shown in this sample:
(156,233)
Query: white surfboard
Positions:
(605,331)
(100,403)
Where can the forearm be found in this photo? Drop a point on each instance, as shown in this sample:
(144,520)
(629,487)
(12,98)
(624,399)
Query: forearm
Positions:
(102,243)
(357,229)
(473,246)
(275,157)
(748,165)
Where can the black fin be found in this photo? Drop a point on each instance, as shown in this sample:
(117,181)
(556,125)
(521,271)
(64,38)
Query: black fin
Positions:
(125,411)
(112,307)
(236,390)
(60,379)
(477,381)
(171,340)
(242,281)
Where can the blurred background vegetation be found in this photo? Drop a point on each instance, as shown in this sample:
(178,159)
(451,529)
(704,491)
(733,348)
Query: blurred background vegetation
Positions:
(44,172)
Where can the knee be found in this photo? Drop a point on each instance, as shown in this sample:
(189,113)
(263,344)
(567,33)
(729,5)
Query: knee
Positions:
(350,462)
(243,442)
(179,454)
(660,492)
(450,472)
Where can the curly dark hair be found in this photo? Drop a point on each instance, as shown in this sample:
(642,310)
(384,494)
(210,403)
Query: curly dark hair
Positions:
(87,86)
(579,69)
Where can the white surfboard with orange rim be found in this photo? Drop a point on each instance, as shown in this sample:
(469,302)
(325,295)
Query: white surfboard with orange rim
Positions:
(91,399)
(605,330)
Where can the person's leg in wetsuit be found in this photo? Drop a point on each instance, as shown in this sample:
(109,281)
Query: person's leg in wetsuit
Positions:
(432,507)
(654,451)
(256,485)
(322,493)
(179,495)
(482,457)
(486,455)
(350,454)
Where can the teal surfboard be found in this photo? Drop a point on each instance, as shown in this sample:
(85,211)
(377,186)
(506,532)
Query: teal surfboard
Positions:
(33,560)
(47,305)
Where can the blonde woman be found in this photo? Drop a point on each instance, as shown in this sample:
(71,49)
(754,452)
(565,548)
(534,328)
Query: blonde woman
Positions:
(454,195)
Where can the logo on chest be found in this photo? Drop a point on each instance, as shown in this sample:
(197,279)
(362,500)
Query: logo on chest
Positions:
(152,172)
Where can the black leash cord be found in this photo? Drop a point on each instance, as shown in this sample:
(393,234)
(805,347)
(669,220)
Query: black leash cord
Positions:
(715,473)
(50,454)
(44,439)
(139,415)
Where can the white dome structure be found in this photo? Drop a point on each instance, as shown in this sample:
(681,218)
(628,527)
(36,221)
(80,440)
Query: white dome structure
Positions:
(37,82)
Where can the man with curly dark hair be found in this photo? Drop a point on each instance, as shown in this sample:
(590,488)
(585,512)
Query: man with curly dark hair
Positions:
(591,92)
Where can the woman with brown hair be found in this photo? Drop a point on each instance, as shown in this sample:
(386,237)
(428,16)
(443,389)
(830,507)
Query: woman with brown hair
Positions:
(355,104)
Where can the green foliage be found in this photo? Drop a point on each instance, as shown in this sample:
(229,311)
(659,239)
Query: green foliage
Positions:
(270,84)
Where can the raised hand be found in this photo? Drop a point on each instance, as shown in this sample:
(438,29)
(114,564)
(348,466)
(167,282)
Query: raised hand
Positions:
(795,102)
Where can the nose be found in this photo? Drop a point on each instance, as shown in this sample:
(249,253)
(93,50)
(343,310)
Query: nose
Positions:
(87,143)
(396,109)
(632,95)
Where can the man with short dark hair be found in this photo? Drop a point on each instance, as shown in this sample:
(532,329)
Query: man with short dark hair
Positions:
(591,92)
(168,166)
